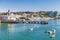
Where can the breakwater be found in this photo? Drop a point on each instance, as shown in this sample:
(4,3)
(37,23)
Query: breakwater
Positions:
(26,22)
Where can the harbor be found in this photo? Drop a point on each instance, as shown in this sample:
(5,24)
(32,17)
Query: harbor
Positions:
(29,25)
(41,17)
(29,19)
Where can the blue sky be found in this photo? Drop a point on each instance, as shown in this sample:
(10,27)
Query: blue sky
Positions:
(30,5)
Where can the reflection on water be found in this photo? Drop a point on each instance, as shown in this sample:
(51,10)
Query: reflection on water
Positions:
(29,31)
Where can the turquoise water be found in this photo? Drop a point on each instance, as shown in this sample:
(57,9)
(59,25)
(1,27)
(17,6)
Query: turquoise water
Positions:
(29,31)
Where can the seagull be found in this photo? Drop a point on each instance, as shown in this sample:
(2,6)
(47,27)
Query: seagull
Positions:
(51,33)
(31,29)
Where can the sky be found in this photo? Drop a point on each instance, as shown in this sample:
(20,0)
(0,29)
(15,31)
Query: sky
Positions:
(30,5)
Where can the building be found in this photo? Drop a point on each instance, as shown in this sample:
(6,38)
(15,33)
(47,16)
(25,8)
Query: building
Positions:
(52,13)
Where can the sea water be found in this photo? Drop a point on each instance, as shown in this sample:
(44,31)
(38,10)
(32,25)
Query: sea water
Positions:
(29,31)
